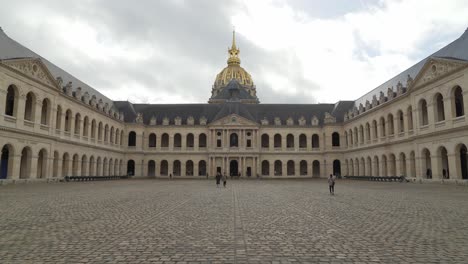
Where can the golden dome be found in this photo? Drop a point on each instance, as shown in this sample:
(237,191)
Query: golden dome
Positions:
(233,70)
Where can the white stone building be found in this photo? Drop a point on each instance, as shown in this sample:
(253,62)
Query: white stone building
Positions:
(54,125)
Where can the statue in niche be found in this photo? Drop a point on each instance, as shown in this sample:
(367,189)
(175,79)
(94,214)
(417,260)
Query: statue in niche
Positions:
(315,121)
(139,118)
(302,121)
(409,81)
(277,121)
(165,121)
(153,121)
(264,121)
(203,121)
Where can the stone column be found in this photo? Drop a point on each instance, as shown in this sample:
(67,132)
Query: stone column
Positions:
(33,167)
(272,168)
(271,144)
(59,168)
(196,143)
(436,167)
(183,143)
(465,104)
(431,117)
(283,143)
(454,170)
(284,166)
(158,141)
(21,101)
(183,168)
(15,170)
(171,142)
(297,168)
(448,108)
(196,170)
(419,173)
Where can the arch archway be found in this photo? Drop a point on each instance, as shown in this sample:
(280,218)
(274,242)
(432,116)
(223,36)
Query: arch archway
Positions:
(151,168)
(130,167)
(42,164)
(278,168)
(202,168)
(462,161)
(189,168)
(316,168)
(290,168)
(164,168)
(303,168)
(6,161)
(337,168)
(233,168)
(265,168)
(25,168)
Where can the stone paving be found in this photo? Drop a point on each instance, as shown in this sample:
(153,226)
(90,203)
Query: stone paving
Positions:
(251,221)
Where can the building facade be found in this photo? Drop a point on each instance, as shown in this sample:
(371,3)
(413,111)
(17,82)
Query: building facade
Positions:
(54,125)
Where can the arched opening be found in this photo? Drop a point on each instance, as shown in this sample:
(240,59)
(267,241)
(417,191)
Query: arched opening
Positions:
(391,126)
(151,168)
(443,163)
(111,138)
(462,161)
(177,140)
(165,140)
(45,110)
(289,141)
(384,166)
(356,167)
(65,164)
(176,168)
(152,140)
(132,139)
(369,166)
(78,123)
(25,168)
(361,134)
(376,166)
(30,107)
(55,165)
(130,167)
(315,141)
(351,137)
(303,168)
(68,120)
(76,164)
(234,140)
(423,112)
(290,168)
(278,168)
(335,139)
(392,161)
(409,116)
(362,166)
(121,139)
(233,168)
(85,126)
(346,139)
(277,141)
(164,168)
(117,136)
(265,141)
(316,168)
(106,133)
(375,134)
(356,136)
(93,129)
(42,164)
(401,122)
(439,109)
(337,168)
(302,141)
(190,140)
(91,171)
(351,167)
(202,168)
(84,165)
(426,162)
(368,133)
(58,118)
(99,167)
(11,99)
(412,164)
(6,162)
(202,140)
(402,159)
(104,167)
(265,168)
(189,168)
(458,104)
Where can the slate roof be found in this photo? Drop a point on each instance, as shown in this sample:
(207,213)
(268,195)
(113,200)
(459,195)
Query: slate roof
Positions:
(458,49)
(10,49)
(234,91)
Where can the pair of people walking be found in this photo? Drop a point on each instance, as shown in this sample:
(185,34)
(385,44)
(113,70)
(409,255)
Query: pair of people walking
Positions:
(220,178)
(331,184)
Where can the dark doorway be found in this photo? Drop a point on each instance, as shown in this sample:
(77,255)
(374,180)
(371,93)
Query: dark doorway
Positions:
(4,162)
(233,168)
(249,171)
(131,168)
(337,168)
(463,162)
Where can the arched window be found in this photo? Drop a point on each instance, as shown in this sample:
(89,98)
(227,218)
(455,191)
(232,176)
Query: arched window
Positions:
(368,133)
(177,140)
(375,133)
(265,141)
(176,168)
(278,168)
(202,168)
(202,140)
(93,128)
(290,141)
(151,168)
(130,167)
(100,128)
(458,104)
(164,168)
(85,126)
(265,168)
(439,109)
(423,113)
(68,120)
(58,118)
(383,132)
(234,140)
(277,139)
(315,141)
(335,139)
(316,168)
(391,127)
(361,134)
(152,140)
(106,133)
(190,140)
(401,122)
(165,140)
(302,141)
(45,110)
(409,115)
(189,168)
(77,123)
(10,104)
(132,139)
(30,107)
(290,168)
(303,168)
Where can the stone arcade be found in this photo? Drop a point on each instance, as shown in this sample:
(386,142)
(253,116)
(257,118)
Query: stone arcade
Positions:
(55,125)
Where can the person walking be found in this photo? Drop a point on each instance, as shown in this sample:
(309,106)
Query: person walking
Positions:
(331,184)
(224,178)
(218,179)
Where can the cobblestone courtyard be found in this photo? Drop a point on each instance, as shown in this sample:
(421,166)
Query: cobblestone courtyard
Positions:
(191,221)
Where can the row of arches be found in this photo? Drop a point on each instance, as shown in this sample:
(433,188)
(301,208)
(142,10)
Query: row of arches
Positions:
(65,119)
(302,140)
(394,124)
(176,170)
(164,140)
(432,165)
(276,168)
(31,165)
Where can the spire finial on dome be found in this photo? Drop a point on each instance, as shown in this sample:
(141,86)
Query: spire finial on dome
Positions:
(233,51)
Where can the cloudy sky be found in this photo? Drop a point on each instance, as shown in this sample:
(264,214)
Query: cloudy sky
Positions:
(303,51)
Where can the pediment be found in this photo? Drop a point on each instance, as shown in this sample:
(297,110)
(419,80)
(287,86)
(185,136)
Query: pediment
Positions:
(437,68)
(233,120)
(34,69)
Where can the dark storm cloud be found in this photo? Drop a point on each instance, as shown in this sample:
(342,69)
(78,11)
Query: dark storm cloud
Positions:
(189,38)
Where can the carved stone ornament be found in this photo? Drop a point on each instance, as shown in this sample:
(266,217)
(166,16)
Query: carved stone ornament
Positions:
(355,111)
(361,109)
(32,68)
(382,98)
(93,101)
(153,121)
(121,116)
(277,121)
(68,89)
(59,81)
(85,98)
(290,121)
(78,93)
(375,102)
(346,117)
(400,89)
(315,121)
(178,121)
(264,121)
(190,121)
(368,105)
(165,121)
(409,81)
(302,121)
(329,119)
(390,93)
(100,105)
(139,118)
(106,108)
(203,121)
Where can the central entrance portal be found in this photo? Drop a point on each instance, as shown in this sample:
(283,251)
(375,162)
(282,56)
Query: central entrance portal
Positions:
(233,168)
